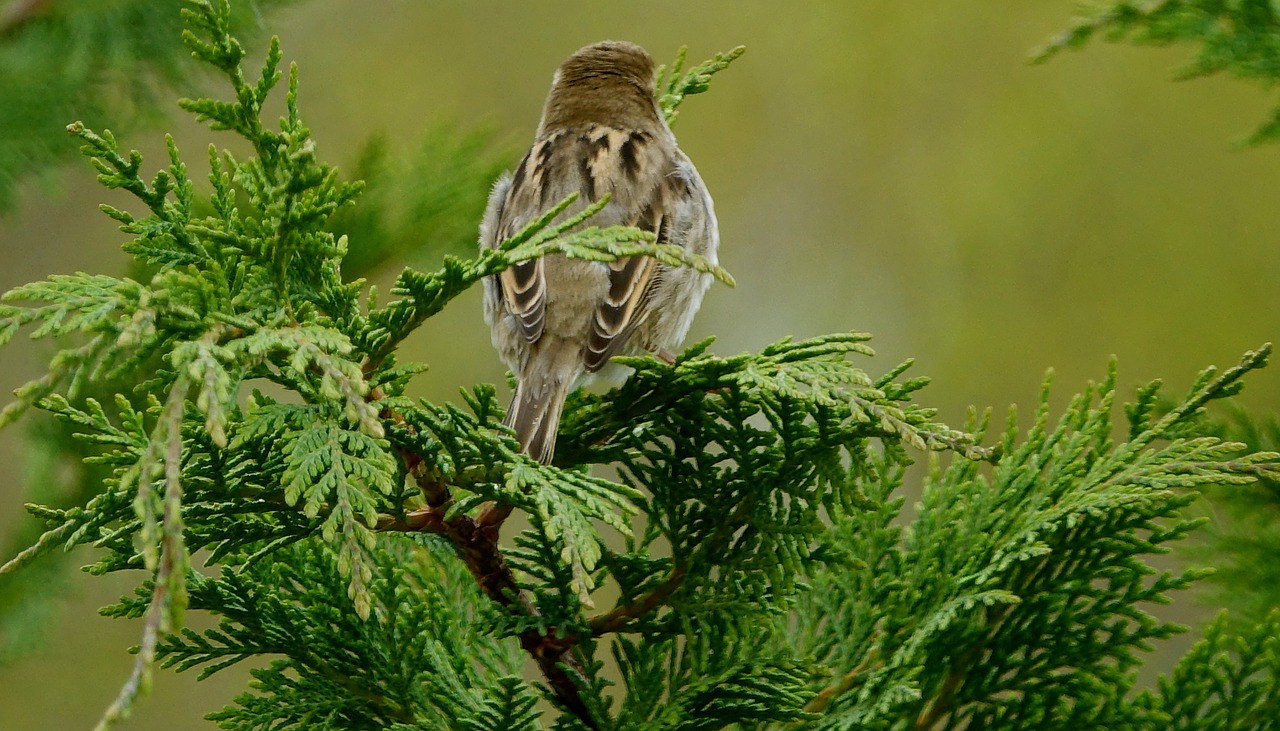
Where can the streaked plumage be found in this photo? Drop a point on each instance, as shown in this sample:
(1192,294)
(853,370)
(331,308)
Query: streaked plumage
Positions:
(555,320)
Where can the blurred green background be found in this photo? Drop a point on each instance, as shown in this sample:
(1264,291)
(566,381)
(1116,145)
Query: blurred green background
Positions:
(875,166)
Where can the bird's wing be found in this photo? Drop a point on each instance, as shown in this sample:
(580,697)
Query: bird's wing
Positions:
(631,279)
(649,184)
(639,174)
(523,286)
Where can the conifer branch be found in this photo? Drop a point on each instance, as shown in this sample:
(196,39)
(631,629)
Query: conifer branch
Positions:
(1237,38)
(476,543)
(673,86)
(843,684)
(757,497)
(168,599)
(617,618)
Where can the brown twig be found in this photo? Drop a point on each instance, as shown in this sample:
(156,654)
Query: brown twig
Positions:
(843,684)
(492,515)
(617,618)
(620,615)
(941,704)
(477,545)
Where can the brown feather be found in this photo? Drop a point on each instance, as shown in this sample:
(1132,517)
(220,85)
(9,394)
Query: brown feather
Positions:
(554,319)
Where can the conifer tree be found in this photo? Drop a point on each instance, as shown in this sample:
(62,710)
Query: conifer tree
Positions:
(1240,39)
(753,530)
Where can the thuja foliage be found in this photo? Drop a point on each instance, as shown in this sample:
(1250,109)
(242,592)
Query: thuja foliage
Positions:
(96,61)
(1236,37)
(1243,542)
(1242,39)
(418,203)
(747,564)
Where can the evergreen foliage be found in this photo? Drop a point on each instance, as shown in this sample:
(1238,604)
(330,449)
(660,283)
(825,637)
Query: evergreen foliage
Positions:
(1240,38)
(414,207)
(748,565)
(1242,538)
(99,61)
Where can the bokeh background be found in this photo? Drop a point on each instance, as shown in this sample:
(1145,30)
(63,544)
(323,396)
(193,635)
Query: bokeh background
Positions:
(876,166)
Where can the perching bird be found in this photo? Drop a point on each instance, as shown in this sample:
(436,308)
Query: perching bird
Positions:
(555,320)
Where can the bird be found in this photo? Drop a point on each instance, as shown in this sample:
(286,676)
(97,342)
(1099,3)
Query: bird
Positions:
(557,322)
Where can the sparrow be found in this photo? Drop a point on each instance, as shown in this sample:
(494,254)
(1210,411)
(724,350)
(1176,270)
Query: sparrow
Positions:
(557,322)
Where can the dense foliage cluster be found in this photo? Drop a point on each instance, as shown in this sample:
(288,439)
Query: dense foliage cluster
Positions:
(744,559)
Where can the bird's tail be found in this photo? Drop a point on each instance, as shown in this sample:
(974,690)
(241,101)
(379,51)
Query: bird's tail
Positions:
(534,413)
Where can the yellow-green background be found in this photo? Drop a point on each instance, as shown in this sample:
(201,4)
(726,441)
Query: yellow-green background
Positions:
(890,167)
